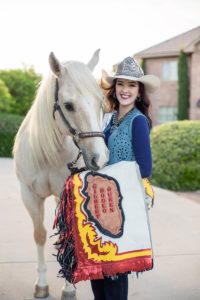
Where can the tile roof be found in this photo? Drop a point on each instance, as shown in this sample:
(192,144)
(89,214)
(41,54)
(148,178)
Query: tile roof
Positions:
(185,41)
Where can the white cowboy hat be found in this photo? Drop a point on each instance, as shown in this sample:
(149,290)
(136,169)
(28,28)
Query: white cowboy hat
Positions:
(130,69)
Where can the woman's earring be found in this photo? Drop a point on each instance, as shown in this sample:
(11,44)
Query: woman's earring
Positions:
(138,99)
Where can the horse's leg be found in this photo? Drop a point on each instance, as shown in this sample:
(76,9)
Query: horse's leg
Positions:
(35,207)
(68,290)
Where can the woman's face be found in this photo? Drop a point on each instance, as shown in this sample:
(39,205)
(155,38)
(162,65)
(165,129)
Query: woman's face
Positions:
(126,92)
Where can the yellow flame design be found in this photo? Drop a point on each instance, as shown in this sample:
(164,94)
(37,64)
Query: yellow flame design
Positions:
(148,188)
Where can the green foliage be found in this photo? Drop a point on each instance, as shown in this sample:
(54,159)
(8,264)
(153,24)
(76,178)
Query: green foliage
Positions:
(176,155)
(9,125)
(183,87)
(22,85)
(6,101)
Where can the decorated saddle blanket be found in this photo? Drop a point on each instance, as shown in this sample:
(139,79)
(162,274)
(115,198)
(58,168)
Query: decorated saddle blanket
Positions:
(102,223)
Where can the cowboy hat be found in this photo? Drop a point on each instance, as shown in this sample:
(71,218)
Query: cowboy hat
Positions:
(131,70)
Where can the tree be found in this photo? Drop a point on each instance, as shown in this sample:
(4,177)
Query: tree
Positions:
(6,100)
(22,85)
(143,65)
(183,87)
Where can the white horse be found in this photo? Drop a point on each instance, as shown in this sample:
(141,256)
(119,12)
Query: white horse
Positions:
(65,115)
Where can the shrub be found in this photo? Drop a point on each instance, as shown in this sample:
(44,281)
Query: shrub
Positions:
(22,85)
(176,155)
(6,100)
(9,125)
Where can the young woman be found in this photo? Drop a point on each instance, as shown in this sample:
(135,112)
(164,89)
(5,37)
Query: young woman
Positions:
(127,138)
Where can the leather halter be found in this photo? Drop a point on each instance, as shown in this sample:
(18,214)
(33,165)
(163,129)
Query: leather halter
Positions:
(74,132)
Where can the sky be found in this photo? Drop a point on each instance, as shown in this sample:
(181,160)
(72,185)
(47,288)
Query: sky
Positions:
(74,29)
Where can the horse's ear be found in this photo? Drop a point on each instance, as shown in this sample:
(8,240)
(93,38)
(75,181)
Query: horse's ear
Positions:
(94,60)
(55,65)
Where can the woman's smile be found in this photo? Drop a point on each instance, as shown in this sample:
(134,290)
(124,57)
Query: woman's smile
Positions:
(125,96)
(126,92)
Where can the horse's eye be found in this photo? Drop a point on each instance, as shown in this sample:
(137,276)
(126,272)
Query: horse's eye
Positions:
(69,106)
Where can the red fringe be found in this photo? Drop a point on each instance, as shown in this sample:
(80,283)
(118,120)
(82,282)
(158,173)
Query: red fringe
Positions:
(99,271)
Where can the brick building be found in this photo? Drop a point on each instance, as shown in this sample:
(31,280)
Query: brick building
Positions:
(162,60)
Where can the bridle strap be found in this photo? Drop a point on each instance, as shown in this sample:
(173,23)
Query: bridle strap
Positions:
(89,134)
(58,108)
(75,133)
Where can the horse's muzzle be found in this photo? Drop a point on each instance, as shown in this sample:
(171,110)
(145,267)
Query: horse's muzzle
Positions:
(91,161)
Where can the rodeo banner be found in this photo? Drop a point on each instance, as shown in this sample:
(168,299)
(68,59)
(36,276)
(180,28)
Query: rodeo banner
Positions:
(102,223)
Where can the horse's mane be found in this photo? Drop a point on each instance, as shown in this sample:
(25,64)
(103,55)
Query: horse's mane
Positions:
(39,129)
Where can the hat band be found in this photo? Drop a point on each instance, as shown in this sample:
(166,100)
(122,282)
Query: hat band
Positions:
(129,74)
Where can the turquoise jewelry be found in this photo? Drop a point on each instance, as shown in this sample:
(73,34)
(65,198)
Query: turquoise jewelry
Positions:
(116,122)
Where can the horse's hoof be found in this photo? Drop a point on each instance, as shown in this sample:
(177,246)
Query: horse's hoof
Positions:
(68,295)
(41,291)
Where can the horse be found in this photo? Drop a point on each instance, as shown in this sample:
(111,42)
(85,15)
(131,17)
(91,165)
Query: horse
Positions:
(64,120)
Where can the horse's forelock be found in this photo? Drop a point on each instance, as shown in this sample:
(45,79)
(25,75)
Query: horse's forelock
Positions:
(83,79)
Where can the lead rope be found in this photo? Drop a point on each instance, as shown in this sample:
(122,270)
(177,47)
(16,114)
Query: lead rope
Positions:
(72,166)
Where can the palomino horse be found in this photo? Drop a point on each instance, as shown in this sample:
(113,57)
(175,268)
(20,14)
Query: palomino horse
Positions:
(66,115)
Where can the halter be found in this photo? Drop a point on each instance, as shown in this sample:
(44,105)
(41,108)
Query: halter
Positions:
(76,135)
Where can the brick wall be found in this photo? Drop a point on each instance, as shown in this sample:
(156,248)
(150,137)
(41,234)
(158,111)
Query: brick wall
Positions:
(195,84)
(167,93)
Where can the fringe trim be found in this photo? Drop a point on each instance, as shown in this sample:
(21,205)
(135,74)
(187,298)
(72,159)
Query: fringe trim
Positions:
(63,223)
(112,269)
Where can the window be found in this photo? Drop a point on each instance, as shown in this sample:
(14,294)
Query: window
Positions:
(167,114)
(170,70)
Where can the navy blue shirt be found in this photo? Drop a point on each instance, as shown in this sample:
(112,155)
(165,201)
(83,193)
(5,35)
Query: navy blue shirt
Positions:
(141,145)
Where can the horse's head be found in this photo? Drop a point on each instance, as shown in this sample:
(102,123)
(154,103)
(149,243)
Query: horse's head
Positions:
(78,108)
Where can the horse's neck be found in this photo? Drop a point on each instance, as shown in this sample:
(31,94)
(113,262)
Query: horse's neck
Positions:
(29,172)
(46,139)
(39,138)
